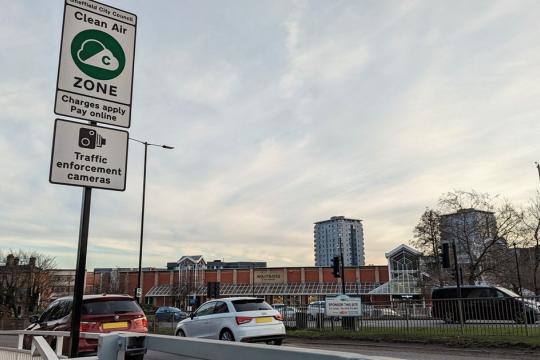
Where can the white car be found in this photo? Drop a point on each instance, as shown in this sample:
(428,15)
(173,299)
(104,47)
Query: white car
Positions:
(288,312)
(316,307)
(243,319)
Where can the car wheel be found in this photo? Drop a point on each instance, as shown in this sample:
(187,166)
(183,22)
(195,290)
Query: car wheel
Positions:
(521,318)
(449,318)
(226,335)
(181,333)
(275,342)
(53,344)
(134,357)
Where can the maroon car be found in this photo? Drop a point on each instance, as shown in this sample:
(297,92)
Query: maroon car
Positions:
(100,314)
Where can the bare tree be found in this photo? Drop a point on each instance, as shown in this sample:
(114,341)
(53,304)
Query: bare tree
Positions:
(427,238)
(25,280)
(482,226)
(531,240)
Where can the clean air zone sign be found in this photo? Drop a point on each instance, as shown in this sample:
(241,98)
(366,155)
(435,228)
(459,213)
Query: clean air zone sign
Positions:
(95,74)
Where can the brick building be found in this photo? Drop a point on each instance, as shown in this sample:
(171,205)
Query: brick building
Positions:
(293,285)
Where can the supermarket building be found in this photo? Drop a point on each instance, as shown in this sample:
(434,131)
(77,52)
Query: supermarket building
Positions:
(186,284)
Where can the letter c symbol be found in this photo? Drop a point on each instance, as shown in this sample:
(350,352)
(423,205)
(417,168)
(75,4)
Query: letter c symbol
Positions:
(106,60)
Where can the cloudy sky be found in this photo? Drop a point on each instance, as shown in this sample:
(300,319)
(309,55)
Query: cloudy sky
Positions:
(282,113)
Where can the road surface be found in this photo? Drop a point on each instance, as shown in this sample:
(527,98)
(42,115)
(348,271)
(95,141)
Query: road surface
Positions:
(400,351)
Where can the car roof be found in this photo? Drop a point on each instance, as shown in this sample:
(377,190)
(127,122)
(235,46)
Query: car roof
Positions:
(464,287)
(100,296)
(237,298)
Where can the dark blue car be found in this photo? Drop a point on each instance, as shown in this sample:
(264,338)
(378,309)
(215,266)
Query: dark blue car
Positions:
(169,313)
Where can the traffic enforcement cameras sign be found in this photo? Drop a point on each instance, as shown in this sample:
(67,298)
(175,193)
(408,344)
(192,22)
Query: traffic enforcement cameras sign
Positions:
(95,73)
(89,156)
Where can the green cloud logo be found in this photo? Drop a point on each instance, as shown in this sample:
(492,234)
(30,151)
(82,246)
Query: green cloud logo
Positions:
(94,53)
(98,54)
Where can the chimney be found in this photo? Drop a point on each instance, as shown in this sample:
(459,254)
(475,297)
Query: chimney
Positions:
(9,260)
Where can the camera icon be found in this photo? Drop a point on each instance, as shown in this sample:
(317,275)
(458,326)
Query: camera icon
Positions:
(90,139)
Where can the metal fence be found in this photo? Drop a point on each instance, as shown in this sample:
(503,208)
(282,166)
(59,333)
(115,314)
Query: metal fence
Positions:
(13,324)
(163,326)
(470,316)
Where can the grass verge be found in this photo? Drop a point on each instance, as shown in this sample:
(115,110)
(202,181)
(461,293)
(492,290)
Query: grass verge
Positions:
(471,337)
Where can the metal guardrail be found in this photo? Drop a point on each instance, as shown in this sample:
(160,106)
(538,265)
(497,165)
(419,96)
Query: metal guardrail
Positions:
(38,344)
(114,344)
(119,346)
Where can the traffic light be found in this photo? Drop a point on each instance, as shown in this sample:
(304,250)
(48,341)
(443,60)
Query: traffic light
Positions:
(336,269)
(445,255)
(212,290)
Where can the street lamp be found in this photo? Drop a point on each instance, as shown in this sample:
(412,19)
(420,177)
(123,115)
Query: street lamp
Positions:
(146,144)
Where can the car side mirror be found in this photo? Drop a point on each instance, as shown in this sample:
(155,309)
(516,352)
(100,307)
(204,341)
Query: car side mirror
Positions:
(34,319)
(192,315)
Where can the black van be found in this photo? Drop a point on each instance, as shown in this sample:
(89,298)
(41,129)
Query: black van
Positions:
(483,302)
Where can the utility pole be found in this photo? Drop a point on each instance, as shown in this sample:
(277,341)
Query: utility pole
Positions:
(517,270)
(342,268)
(458,281)
(138,290)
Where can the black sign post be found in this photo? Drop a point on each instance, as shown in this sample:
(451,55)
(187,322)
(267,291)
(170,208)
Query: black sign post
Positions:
(80,272)
(107,93)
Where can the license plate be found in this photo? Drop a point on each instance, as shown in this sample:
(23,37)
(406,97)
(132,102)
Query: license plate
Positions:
(115,325)
(263,320)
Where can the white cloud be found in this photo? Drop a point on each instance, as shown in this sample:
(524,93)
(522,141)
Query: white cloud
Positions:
(281,114)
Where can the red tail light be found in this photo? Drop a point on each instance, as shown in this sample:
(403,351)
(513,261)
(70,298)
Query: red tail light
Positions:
(279,317)
(89,326)
(243,319)
(140,324)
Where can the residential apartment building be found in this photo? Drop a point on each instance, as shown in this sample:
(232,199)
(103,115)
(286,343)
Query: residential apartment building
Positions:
(330,236)
(471,230)
(479,246)
(62,283)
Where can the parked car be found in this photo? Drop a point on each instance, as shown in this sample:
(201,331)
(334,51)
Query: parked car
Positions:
(316,307)
(100,314)
(483,303)
(243,319)
(288,312)
(385,313)
(169,313)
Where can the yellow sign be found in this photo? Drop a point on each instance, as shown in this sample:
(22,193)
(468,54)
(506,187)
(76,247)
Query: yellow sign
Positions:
(115,325)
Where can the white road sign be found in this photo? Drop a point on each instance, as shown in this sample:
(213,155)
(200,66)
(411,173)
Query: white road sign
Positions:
(86,155)
(95,73)
(343,305)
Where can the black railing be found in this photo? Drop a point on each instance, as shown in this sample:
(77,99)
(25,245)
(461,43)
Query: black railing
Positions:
(472,316)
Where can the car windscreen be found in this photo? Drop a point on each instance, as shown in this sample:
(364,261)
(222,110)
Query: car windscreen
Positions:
(110,307)
(508,292)
(250,305)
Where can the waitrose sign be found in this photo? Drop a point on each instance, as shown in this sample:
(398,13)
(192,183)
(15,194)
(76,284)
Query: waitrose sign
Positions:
(268,276)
